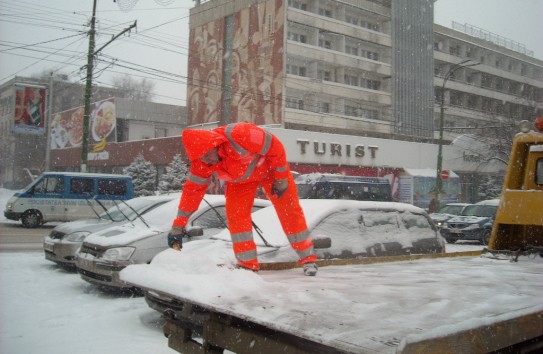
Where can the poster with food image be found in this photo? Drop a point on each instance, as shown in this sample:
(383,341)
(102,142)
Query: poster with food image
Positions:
(103,121)
(67,126)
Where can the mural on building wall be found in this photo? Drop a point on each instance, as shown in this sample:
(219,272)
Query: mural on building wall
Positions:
(67,126)
(29,109)
(256,62)
(205,73)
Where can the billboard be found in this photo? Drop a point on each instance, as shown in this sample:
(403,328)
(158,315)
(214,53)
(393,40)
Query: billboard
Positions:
(29,109)
(67,126)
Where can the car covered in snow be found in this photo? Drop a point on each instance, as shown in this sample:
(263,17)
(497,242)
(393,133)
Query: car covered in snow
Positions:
(340,229)
(105,253)
(62,243)
(475,223)
(337,186)
(447,212)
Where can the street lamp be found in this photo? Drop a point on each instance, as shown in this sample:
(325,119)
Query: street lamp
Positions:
(439,183)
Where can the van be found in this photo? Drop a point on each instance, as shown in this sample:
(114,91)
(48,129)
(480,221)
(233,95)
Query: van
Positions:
(67,196)
(336,186)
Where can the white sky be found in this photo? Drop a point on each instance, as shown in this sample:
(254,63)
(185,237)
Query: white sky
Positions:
(161,40)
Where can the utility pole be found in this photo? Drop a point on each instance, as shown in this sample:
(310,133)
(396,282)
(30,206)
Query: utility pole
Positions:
(88,90)
(88,86)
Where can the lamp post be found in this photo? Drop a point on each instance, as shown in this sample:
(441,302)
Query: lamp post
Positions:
(439,183)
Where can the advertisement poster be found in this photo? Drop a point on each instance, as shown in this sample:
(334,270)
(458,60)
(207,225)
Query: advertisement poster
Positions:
(29,109)
(67,126)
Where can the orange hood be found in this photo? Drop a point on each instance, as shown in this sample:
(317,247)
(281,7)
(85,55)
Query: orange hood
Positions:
(198,142)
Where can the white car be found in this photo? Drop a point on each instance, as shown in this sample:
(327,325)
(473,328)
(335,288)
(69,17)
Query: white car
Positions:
(105,253)
(62,243)
(339,228)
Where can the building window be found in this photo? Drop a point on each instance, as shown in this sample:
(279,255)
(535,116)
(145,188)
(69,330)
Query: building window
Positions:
(351,50)
(297,37)
(352,20)
(296,70)
(325,107)
(293,102)
(350,80)
(325,12)
(371,84)
(369,54)
(350,111)
(324,75)
(454,50)
(122,130)
(297,5)
(326,44)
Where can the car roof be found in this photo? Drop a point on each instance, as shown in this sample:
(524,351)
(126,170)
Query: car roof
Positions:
(489,202)
(317,209)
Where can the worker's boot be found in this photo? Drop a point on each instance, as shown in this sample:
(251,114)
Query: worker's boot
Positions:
(310,269)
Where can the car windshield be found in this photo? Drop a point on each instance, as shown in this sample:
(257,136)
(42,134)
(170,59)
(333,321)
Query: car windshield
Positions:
(451,209)
(480,210)
(118,211)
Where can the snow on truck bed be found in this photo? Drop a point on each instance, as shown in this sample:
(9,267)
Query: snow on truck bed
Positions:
(359,308)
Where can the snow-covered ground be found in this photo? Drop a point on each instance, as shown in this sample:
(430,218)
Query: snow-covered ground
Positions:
(44,309)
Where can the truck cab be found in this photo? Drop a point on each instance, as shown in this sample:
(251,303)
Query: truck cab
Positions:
(519,219)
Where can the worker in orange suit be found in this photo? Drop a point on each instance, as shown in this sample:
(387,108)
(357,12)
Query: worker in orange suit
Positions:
(244,156)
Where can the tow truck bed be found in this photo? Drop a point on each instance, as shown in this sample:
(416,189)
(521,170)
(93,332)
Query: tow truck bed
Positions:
(460,304)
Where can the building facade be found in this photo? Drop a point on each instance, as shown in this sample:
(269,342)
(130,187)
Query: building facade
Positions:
(371,69)
(24,155)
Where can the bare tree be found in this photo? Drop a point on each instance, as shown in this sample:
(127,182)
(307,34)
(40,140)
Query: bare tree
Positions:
(134,90)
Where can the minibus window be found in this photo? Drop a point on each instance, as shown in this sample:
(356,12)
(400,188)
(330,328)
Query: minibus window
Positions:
(112,187)
(54,185)
(82,186)
(40,186)
(539,172)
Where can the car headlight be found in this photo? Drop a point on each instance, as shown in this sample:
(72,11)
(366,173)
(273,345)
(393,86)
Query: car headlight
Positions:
(472,227)
(78,236)
(118,253)
(9,206)
(439,223)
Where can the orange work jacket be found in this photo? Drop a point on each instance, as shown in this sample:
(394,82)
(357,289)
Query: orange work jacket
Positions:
(247,153)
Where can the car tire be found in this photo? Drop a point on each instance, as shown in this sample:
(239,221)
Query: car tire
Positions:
(485,238)
(31,219)
(451,240)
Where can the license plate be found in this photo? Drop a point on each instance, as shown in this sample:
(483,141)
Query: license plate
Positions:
(456,231)
(84,263)
(48,247)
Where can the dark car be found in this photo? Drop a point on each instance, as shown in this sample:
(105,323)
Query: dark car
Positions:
(336,186)
(475,223)
(447,212)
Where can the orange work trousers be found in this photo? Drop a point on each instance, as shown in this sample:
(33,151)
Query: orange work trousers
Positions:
(239,204)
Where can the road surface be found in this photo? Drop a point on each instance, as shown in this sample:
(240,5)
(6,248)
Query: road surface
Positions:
(16,238)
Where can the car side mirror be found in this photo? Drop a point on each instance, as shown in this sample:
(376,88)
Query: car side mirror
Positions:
(195,231)
(320,242)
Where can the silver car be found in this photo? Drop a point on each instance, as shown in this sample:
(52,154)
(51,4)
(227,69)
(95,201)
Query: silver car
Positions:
(61,245)
(104,254)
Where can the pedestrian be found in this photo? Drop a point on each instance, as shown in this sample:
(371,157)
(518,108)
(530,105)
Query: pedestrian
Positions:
(244,156)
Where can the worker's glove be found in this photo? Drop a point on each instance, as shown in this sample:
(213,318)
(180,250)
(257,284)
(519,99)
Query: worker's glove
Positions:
(175,237)
(279,187)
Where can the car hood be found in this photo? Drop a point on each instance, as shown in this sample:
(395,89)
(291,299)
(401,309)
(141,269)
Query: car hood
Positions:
(468,219)
(122,235)
(91,225)
(441,216)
